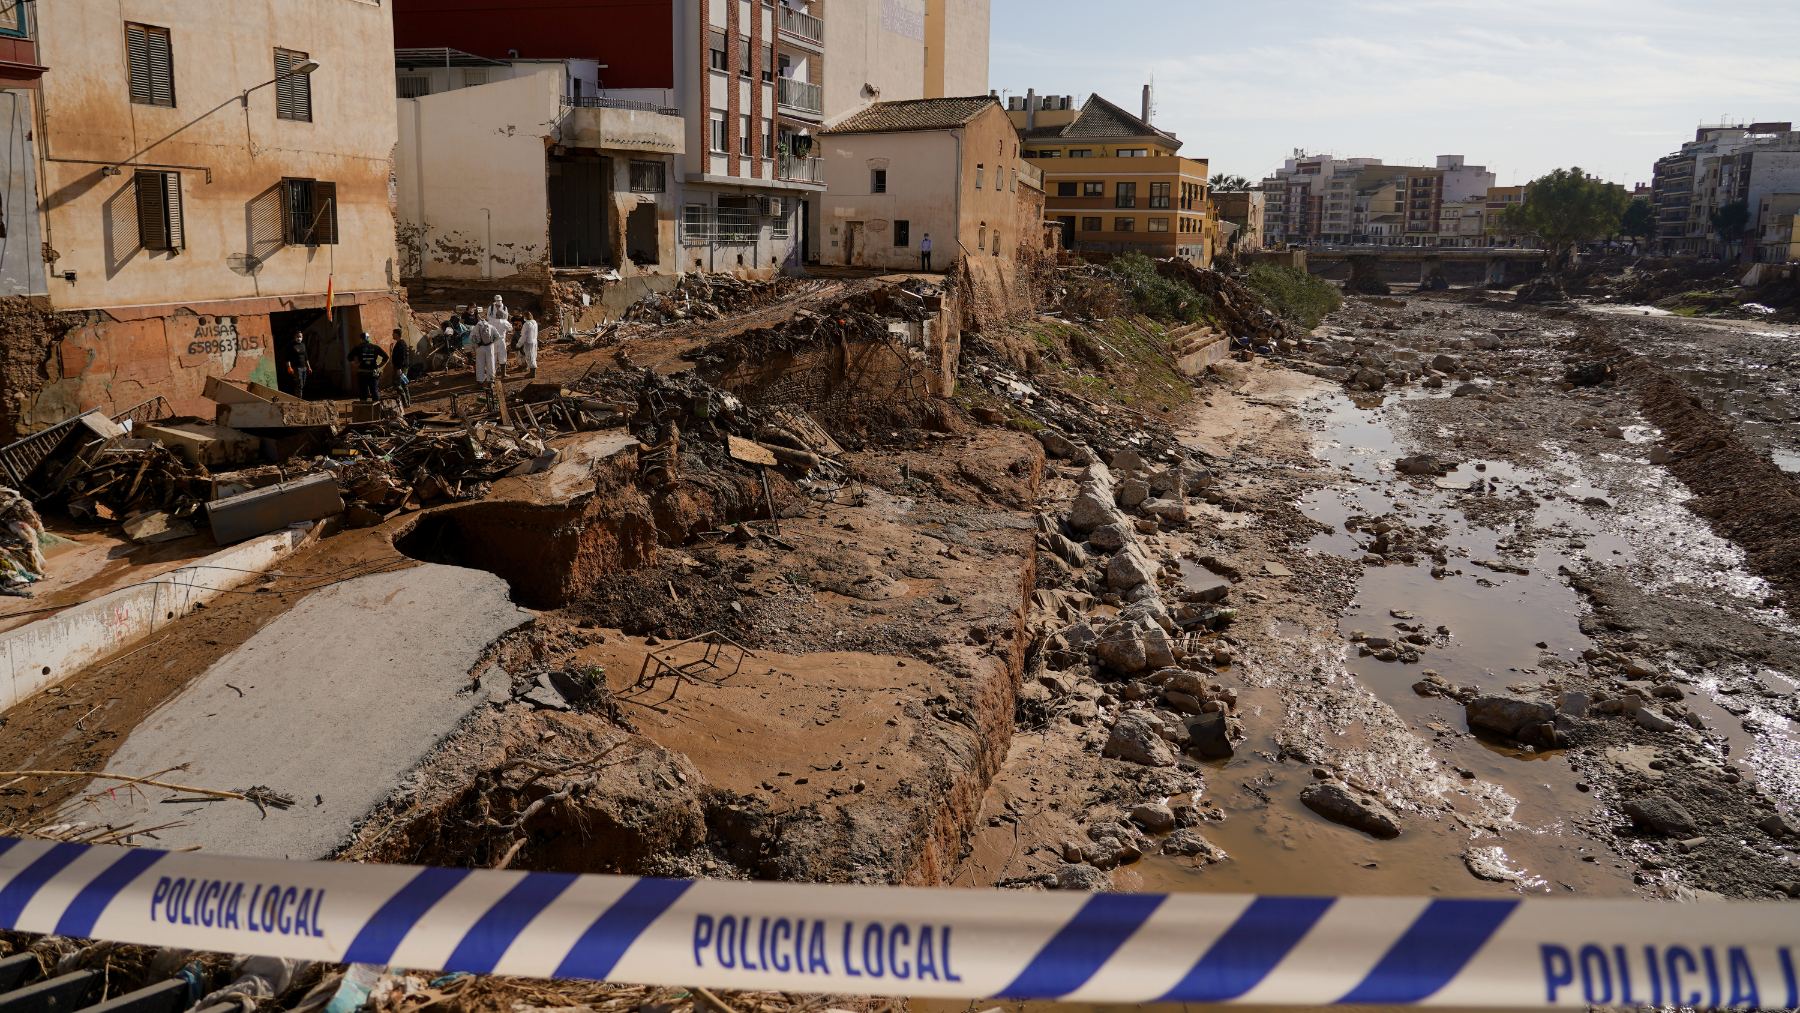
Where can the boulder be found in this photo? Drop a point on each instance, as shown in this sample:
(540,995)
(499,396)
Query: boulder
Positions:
(1159,650)
(1129,568)
(1421,464)
(1209,737)
(1081,877)
(1134,739)
(1059,446)
(1658,814)
(1093,508)
(1338,804)
(1132,492)
(1128,461)
(1110,537)
(1445,364)
(1154,817)
(1651,720)
(1165,509)
(1184,703)
(1530,722)
(1188,844)
(1121,649)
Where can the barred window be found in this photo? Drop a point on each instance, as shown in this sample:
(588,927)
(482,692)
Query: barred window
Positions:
(159,210)
(649,177)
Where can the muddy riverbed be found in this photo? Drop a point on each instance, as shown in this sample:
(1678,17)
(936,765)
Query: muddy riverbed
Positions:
(1479,529)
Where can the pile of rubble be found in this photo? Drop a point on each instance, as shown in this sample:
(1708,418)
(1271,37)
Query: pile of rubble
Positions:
(1241,312)
(707,297)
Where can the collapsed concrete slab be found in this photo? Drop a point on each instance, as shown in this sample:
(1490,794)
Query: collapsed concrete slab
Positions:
(331,704)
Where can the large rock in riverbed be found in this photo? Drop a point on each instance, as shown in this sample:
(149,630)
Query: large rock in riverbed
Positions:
(1529,722)
(1134,738)
(1338,804)
(1658,814)
(1093,508)
(1121,648)
(1130,568)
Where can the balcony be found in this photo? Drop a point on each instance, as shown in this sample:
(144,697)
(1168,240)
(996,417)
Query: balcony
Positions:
(801,98)
(802,26)
(801,170)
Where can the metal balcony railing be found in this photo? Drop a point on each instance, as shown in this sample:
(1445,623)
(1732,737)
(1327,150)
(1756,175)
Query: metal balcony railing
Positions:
(801,24)
(601,102)
(801,96)
(802,170)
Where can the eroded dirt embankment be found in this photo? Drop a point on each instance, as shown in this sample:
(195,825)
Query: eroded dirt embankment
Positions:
(1737,487)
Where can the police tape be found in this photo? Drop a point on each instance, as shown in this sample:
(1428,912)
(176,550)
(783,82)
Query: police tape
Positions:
(892,941)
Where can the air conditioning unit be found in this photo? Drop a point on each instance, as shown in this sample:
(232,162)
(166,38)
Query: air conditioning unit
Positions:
(772,207)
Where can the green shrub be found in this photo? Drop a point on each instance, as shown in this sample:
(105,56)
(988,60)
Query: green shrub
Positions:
(1156,296)
(1300,298)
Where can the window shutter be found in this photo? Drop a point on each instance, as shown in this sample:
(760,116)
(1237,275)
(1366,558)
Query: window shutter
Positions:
(177,233)
(284,95)
(293,214)
(153,221)
(325,214)
(137,45)
(162,68)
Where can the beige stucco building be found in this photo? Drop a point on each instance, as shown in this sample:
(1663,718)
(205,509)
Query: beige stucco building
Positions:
(949,168)
(205,170)
(560,179)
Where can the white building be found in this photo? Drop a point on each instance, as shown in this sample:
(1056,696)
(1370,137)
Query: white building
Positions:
(586,183)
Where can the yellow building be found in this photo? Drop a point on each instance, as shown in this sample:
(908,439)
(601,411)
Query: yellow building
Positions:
(1114,182)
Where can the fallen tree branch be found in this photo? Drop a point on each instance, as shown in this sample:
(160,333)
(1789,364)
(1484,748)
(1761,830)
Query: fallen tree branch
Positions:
(127,779)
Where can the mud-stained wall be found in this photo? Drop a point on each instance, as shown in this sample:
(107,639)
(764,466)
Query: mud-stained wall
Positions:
(57,365)
(470,174)
(228,146)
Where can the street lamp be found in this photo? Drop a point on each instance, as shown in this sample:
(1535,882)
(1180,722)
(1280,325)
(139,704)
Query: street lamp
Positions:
(303,70)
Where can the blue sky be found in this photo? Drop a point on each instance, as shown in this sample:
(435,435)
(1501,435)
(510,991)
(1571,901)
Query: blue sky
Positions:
(1521,86)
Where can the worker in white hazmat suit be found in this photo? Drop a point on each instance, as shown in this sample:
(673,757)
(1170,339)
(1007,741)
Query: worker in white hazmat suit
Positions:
(486,339)
(528,343)
(501,318)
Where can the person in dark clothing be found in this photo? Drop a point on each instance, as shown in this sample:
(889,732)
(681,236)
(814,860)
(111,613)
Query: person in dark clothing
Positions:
(299,367)
(368,359)
(403,367)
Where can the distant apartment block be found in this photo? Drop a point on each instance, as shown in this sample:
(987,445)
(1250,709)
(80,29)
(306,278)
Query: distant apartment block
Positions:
(1757,164)
(1363,201)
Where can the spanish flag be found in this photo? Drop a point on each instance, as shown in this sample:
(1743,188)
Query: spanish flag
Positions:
(330,297)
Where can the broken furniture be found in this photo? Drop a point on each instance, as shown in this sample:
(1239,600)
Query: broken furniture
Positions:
(260,511)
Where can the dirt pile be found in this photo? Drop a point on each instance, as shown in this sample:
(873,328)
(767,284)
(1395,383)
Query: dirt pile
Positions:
(1745,495)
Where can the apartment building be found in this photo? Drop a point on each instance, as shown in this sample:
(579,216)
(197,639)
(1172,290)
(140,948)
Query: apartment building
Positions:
(587,187)
(1114,182)
(188,180)
(1243,210)
(1362,201)
(956,47)
(948,168)
(1778,239)
(1723,164)
(1494,217)
(745,77)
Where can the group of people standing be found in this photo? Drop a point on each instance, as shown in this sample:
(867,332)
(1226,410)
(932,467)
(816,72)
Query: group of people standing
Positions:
(491,335)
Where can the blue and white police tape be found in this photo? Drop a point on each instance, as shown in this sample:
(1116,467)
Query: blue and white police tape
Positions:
(961,944)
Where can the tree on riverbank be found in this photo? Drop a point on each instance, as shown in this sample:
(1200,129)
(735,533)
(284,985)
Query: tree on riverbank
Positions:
(1732,223)
(1567,208)
(1639,221)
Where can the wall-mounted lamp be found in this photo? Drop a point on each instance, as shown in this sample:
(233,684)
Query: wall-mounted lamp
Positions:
(306,69)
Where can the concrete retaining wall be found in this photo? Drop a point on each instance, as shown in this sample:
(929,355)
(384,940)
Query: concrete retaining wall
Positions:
(35,656)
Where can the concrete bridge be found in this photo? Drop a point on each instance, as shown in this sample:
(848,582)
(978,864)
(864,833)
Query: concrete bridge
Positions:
(1424,266)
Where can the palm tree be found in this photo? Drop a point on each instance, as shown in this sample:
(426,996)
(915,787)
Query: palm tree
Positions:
(1228,183)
